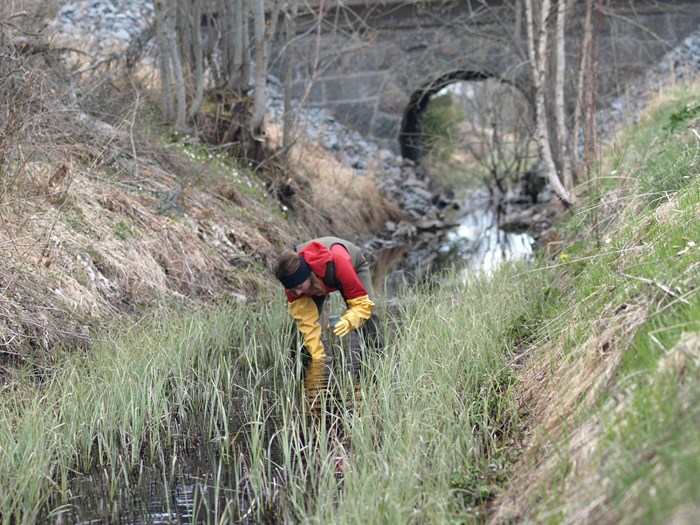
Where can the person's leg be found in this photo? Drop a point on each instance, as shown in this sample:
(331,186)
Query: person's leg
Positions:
(319,300)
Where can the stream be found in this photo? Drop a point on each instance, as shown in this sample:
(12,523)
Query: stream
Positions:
(199,485)
(478,243)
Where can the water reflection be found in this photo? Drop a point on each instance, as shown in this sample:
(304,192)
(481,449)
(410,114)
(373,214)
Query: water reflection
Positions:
(479,243)
(199,487)
(333,392)
(205,481)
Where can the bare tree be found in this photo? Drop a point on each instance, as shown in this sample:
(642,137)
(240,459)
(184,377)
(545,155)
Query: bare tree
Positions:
(537,43)
(173,80)
(290,16)
(214,66)
(562,141)
(198,58)
(496,132)
(164,66)
(260,65)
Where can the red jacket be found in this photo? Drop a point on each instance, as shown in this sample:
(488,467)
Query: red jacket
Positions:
(317,256)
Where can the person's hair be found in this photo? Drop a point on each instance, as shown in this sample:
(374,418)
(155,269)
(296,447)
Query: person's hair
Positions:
(287,264)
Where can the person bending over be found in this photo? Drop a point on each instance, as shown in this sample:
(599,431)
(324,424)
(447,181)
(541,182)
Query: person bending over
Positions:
(315,269)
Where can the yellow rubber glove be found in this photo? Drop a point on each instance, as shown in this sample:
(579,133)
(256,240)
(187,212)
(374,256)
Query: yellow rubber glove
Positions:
(305,314)
(359,310)
(342,328)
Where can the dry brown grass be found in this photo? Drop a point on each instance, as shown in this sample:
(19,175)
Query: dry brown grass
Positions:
(333,195)
(100,222)
(554,386)
(92,249)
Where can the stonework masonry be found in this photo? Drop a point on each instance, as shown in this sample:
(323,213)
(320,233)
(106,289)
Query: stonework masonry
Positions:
(373,64)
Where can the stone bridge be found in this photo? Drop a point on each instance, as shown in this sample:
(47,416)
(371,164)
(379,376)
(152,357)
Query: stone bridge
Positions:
(373,64)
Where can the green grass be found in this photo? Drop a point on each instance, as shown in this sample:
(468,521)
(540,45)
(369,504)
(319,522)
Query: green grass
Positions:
(119,404)
(436,445)
(431,427)
(220,166)
(645,260)
(429,432)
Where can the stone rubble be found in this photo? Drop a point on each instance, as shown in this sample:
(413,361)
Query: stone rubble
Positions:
(103,25)
(680,64)
(113,24)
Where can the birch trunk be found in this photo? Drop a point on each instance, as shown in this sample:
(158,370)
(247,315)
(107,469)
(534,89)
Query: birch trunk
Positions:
(237,41)
(559,103)
(198,57)
(582,93)
(176,63)
(291,19)
(537,52)
(167,104)
(244,81)
(260,98)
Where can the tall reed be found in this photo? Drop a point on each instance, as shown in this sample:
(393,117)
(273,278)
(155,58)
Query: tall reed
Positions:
(419,433)
(121,402)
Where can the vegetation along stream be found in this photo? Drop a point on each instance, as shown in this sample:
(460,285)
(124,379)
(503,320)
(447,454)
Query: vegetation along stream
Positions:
(255,440)
(228,424)
(225,426)
(149,368)
(259,438)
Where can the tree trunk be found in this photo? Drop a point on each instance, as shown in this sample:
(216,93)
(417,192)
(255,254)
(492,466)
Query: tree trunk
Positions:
(291,19)
(167,102)
(170,64)
(591,87)
(537,52)
(176,62)
(244,81)
(559,102)
(260,98)
(237,42)
(198,56)
(582,93)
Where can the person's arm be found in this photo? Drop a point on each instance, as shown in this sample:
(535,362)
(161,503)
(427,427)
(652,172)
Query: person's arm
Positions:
(359,310)
(360,306)
(305,313)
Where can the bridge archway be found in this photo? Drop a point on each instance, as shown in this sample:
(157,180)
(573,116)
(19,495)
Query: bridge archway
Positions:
(370,70)
(411,135)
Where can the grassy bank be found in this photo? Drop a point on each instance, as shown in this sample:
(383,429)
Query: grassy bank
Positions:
(433,429)
(564,391)
(440,437)
(611,376)
(124,404)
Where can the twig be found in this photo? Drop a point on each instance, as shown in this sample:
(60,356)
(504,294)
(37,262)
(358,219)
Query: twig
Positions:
(658,285)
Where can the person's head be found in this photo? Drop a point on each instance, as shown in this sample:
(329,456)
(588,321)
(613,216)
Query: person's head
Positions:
(293,272)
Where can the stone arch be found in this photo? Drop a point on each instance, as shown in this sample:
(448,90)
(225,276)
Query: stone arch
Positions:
(410,135)
(376,70)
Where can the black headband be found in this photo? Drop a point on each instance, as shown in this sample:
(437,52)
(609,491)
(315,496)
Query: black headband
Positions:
(302,274)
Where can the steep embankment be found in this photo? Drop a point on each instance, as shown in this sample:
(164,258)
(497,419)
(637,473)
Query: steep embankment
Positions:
(106,214)
(609,359)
